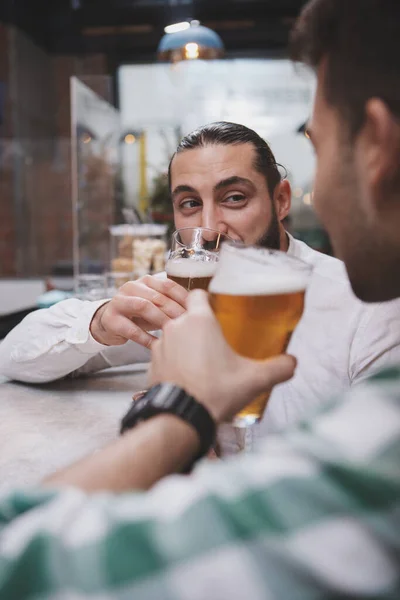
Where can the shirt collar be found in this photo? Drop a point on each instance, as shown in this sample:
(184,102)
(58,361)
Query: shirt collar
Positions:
(291,251)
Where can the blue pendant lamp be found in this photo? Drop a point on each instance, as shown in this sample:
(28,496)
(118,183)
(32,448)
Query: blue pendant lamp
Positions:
(189,41)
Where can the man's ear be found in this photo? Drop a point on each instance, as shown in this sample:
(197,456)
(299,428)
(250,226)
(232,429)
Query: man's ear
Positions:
(283,199)
(378,154)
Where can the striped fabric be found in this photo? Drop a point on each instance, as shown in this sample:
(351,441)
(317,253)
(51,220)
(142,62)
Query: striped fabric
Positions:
(314,514)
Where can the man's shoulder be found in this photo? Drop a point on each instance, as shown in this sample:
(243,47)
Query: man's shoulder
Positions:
(329,285)
(323,265)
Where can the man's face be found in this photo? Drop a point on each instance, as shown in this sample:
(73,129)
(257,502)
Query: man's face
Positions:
(219,188)
(334,186)
(347,199)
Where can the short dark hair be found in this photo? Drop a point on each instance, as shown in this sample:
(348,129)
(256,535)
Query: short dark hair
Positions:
(361,41)
(232,134)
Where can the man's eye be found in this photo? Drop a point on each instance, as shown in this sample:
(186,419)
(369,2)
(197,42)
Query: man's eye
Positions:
(235,198)
(189,204)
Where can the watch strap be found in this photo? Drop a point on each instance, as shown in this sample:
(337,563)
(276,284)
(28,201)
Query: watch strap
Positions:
(167,398)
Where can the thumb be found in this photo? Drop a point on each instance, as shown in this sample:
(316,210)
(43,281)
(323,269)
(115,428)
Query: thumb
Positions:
(274,370)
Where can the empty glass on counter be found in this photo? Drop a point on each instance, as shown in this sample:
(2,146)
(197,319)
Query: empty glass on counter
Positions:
(89,287)
(138,249)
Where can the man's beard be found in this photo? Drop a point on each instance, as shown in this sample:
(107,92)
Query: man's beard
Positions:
(272,237)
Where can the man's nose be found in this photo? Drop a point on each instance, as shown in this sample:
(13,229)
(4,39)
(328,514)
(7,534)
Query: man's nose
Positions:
(214,223)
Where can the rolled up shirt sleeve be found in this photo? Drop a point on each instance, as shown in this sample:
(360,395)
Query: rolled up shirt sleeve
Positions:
(52,343)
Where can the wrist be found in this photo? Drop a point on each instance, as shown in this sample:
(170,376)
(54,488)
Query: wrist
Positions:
(210,402)
(180,439)
(169,400)
(96,328)
(211,405)
(173,443)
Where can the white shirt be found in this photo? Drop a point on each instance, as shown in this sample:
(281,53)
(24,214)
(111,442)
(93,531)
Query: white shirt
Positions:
(338,342)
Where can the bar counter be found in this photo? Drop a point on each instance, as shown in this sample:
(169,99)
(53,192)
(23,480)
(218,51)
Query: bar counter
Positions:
(45,427)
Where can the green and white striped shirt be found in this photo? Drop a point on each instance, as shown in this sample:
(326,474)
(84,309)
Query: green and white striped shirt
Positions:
(315,513)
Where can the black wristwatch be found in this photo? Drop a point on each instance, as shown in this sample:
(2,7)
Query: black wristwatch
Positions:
(170,399)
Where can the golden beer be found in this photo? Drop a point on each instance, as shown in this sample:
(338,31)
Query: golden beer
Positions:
(191,274)
(258,327)
(258,298)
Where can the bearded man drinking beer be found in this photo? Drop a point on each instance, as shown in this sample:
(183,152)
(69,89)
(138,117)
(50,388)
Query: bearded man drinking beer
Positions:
(223,176)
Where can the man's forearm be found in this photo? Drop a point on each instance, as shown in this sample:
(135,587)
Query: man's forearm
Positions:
(50,343)
(154,449)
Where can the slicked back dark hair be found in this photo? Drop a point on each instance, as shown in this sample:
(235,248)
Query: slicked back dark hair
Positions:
(361,41)
(233,134)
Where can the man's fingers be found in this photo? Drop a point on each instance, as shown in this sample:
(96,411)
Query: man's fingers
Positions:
(166,287)
(171,289)
(140,309)
(137,304)
(198,302)
(125,328)
(275,370)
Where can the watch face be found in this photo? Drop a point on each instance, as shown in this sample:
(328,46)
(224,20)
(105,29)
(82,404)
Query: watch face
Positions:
(165,396)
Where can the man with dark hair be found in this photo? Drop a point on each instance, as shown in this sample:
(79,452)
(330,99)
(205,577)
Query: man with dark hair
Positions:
(225,144)
(224,133)
(223,176)
(358,69)
(315,513)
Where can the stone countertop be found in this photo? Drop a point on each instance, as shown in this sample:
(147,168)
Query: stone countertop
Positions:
(46,427)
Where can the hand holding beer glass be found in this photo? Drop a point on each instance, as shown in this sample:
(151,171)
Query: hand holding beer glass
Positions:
(193,257)
(257,296)
(192,260)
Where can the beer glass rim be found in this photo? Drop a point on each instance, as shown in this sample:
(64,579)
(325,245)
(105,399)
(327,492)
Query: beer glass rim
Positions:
(221,233)
(238,247)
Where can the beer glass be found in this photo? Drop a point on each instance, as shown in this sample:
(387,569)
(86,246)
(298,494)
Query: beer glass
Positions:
(257,296)
(193,257)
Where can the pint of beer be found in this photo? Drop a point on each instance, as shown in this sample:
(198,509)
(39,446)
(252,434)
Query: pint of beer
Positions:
(258,298)
(193,258)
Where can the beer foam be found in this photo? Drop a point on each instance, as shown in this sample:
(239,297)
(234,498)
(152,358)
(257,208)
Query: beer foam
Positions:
(249,270)
(257,284)
(188,267)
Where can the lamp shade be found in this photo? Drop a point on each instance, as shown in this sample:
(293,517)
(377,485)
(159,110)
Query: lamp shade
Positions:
(192,43)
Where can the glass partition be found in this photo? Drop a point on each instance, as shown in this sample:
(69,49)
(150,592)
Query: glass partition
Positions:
(95,149)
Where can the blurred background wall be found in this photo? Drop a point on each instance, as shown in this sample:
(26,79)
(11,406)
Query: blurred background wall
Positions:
(35,161)
(63,166)
(168,101)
